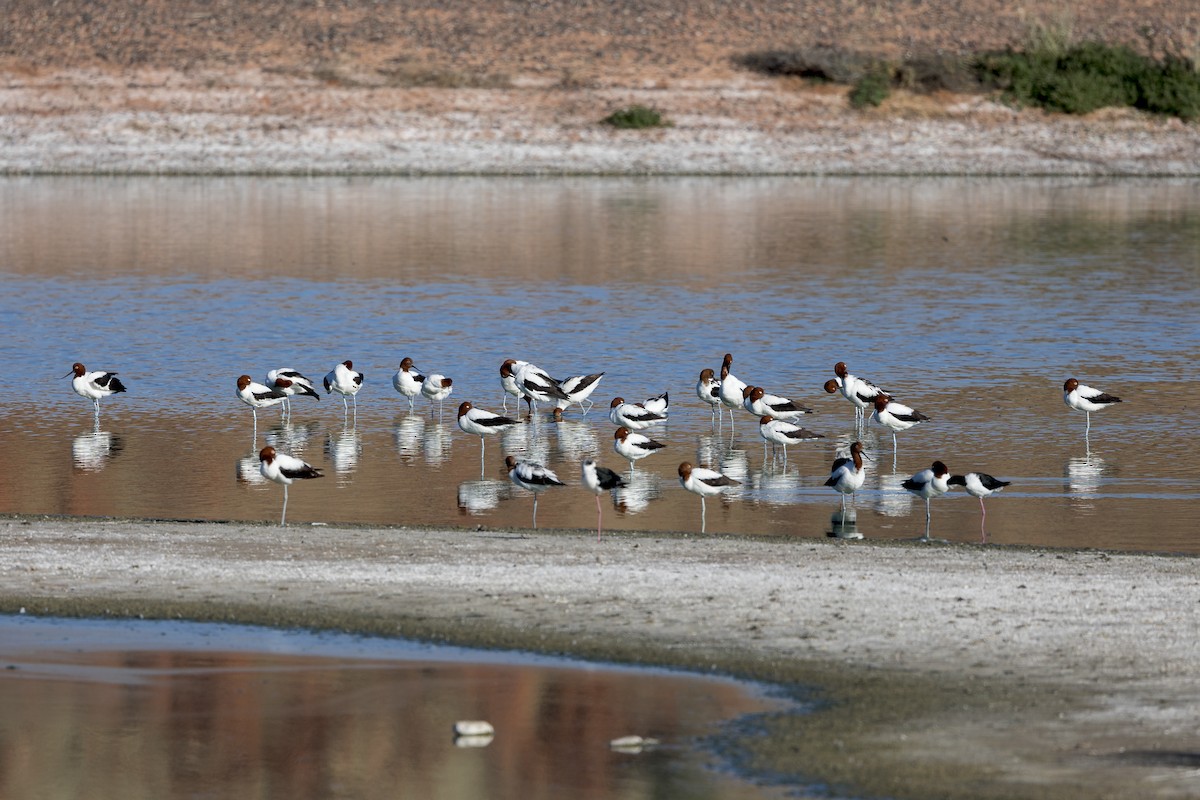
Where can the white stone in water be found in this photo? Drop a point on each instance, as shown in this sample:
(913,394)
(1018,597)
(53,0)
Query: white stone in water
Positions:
(632,744)
(473,727)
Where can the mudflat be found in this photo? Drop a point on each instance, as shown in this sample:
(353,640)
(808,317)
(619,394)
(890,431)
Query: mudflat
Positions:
(949,671)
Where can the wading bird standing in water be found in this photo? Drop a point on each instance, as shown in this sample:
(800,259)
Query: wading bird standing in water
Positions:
(284,469)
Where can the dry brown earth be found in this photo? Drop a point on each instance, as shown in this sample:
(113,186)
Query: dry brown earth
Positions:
(519,87)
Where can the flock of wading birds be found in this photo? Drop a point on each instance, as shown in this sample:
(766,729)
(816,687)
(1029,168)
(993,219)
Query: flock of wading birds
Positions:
(523,380)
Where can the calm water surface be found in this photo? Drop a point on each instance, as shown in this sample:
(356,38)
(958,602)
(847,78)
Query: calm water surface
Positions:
(971,300)
(137,710)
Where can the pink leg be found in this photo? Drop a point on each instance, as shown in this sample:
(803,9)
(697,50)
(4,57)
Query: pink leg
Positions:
(983,523)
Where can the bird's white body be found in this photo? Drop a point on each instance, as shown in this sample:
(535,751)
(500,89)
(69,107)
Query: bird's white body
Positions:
(732,391)
(859,391)
(1084,398)
(761,404)
(706,482)
(532,476)
(634,446)
(535,384)
(896,416)
(708,389)
(346,381)
(578,388)
(632,415)
(284,470)
(408,381)
(436,387)
(659,404)
(481,422)
(778,431)
(258,395)
(598,480)
(980,484)
(508,380)
(849,473)
(298,380)
(927,483)
(94,385)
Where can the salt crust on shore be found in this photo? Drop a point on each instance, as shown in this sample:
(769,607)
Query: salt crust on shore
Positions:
(1119,628)
(249,123)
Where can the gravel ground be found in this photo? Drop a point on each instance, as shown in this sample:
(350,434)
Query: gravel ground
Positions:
(956,671)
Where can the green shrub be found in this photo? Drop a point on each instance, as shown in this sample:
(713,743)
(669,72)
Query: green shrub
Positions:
(872,89)
(1093,75)
(635,117)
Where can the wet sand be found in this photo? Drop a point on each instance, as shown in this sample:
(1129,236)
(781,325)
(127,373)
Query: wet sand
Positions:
(950,671)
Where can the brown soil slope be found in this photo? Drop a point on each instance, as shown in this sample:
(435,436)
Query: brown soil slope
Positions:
(582,41)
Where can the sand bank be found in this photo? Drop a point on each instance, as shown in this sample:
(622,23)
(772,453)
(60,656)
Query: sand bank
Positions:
(954,671)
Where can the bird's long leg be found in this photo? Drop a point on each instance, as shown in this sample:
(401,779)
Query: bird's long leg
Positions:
(283,517)
(926,518)
(482,450)
(982,523)
(702,512)
(535,511)
(599,517)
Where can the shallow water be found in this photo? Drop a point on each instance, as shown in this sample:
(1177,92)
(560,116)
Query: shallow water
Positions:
(971,300)
(152,709)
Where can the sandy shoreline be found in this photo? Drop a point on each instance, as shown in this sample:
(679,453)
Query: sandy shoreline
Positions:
(163,122)
(956,671)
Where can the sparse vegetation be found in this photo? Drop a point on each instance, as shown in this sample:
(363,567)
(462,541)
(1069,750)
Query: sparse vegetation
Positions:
(636,117)
(872,89)
(1052,71)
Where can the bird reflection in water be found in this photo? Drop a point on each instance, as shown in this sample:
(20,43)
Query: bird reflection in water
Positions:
(1084,475)
(436,443)
(529,442)
(342,450)
(248,472)
(574,440)
(288,437)
(844,525)
(91,451)
(640,488)
(476,497)
(408,434)
(893,500)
